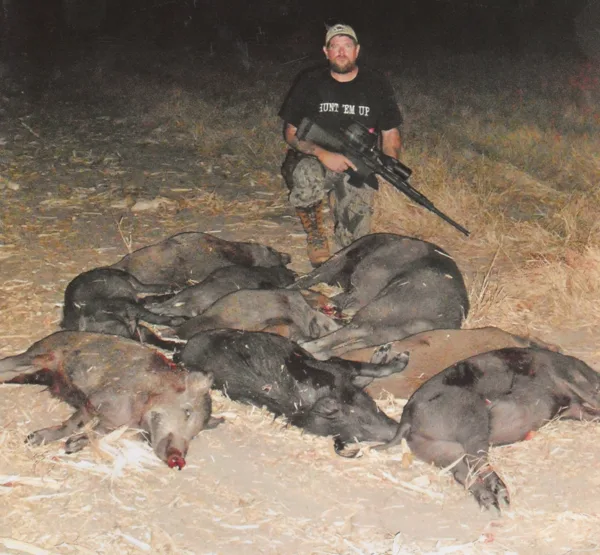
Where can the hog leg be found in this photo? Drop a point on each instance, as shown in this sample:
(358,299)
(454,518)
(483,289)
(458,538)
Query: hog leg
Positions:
(31,368)
(323,348)
(471,471)
(393,366)
(580,381)
(145,335)
(450,427)
(160,319)
(367,370)
(381,354)
(78,441)
(74,424)
(578,411)
(17,365)
(326,273)
(129,313)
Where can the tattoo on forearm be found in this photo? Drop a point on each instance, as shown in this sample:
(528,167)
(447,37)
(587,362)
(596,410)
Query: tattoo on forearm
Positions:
(305,147)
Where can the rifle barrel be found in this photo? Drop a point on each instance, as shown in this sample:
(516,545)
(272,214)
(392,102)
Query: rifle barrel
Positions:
(404,187)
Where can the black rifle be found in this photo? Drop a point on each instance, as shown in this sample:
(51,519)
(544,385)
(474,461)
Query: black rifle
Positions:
(359,145)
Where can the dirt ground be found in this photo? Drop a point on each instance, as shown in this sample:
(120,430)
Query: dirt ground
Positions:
(77,191)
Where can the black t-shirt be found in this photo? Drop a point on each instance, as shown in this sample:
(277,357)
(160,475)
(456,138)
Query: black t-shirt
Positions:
(368,98)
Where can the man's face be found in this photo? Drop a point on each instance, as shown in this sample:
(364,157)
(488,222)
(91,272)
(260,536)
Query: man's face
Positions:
(342,54)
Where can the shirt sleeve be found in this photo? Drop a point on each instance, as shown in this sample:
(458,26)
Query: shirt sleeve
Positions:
(390,112)
(293,108)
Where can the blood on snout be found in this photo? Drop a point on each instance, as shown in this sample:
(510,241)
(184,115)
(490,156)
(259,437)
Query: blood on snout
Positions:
(175,459)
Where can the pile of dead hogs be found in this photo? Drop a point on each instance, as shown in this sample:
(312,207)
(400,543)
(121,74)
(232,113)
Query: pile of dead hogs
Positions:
(143,342)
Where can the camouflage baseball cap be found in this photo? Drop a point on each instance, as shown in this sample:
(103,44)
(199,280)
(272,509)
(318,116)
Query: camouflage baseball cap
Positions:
(340,29)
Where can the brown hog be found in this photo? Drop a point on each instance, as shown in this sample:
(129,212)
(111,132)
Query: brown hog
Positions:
(435,350)
(115,382)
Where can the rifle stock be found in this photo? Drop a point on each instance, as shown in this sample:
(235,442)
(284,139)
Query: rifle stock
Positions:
(360,146)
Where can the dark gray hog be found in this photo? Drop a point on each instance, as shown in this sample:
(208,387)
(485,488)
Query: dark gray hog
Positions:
(113,382)
(368,265)
(108,300)
(323,397)
(195,299)
(256,310)
(192,256)
(494,398)
(428,293)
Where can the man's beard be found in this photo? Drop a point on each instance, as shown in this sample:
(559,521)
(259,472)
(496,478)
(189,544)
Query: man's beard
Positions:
(348,67)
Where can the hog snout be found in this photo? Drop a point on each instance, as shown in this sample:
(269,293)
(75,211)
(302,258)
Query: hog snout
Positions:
(175,459)
(172,451)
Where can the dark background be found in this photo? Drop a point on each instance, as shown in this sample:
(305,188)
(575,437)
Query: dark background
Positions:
(512,26)
(39,36)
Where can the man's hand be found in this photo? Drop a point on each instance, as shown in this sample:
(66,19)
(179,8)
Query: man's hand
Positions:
(335,162)
(331,160)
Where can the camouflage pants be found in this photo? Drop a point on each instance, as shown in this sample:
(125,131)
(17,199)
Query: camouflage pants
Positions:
(309,182)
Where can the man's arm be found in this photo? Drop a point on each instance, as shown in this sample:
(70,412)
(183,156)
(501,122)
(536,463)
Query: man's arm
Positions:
(391,143)
(332,160)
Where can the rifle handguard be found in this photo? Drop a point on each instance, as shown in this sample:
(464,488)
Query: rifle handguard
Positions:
(310,131)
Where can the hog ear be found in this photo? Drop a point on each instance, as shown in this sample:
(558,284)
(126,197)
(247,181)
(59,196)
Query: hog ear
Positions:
(326,407)
(313,329)
(285,258)
(199,381)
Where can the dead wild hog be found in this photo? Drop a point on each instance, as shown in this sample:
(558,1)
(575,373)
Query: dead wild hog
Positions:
(366,267)
(255,310)
(435,350)
(108,300)
(323,397)
(494,398)
(116,382)
(418,288)
(195,299)
(192,256)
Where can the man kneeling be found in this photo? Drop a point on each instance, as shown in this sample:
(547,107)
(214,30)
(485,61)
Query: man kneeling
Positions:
(334,97)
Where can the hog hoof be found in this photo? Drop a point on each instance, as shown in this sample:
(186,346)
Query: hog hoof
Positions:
(343,450)
(401,360)
(36,438)
(76,443)
(489,491)
(381,354)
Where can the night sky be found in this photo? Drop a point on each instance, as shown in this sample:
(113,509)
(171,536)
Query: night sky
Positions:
(409,26)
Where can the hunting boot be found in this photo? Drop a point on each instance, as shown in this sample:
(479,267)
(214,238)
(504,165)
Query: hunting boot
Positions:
(316,240)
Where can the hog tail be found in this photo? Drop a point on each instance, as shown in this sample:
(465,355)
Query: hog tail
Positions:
(402,433)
